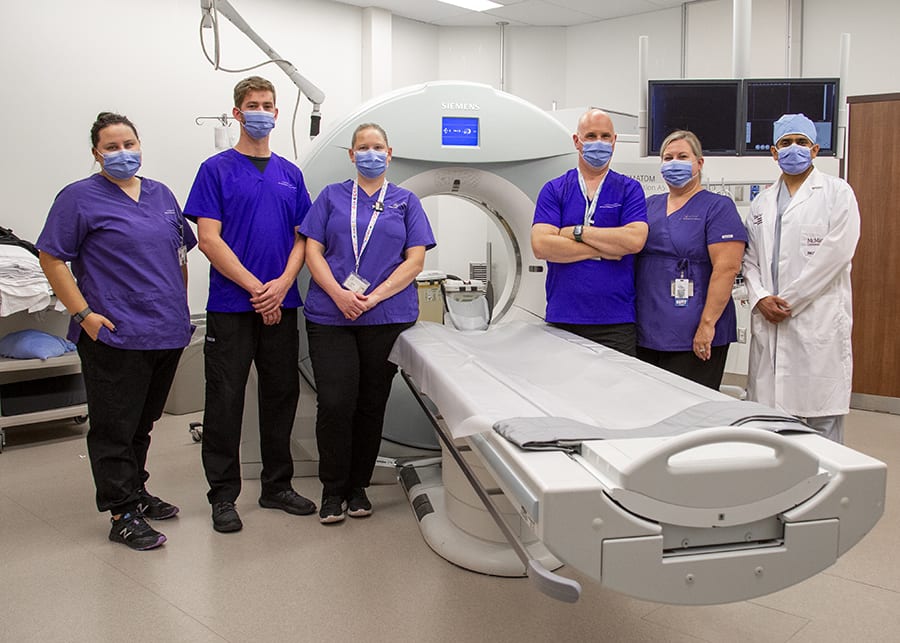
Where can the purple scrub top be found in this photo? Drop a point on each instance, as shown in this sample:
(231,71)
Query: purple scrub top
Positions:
(124,255)
(591,292)
(401,225)
(259,212)
(677,243)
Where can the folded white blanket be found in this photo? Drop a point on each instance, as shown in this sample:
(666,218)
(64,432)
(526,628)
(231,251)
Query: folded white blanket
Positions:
(22,282)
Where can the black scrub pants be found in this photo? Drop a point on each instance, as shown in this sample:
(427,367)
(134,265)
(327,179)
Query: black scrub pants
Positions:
(353,383)
(620,337)
(685,363)
(233,342)
(126,393)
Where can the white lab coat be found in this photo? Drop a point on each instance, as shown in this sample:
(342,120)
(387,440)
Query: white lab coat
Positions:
(804,364)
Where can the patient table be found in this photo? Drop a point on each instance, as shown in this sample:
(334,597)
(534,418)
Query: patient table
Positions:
(647,483)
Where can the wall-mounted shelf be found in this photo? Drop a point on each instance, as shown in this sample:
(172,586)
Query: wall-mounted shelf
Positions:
(22,370)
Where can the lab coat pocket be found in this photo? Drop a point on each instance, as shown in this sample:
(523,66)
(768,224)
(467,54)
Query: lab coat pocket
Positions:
(811,236)
(822,320)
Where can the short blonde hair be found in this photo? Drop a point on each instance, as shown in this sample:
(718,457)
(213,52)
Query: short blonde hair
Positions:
(682,135)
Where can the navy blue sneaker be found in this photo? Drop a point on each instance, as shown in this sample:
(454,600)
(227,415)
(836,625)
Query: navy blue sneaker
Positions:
(131,529)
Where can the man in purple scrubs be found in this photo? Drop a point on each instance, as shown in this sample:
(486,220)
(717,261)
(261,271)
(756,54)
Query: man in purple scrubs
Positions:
(248,203)
(588,224)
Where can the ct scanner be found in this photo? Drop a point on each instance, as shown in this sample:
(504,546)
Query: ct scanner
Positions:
(559,451)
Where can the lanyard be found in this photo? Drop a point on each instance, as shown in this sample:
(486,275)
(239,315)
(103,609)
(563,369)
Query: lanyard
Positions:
(684,261)
(589,205)
(376,210)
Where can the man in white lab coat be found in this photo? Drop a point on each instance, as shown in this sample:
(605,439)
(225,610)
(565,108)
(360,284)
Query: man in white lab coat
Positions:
(802,235)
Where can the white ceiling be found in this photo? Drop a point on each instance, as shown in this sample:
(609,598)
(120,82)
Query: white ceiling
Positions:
(518,13)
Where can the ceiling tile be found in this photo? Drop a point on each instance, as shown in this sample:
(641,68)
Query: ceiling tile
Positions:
(539,13)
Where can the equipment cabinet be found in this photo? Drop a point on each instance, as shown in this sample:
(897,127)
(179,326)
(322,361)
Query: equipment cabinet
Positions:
(29,370)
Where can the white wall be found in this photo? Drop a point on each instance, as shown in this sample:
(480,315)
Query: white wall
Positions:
(874,46)
(710,28)
(63,62)
(535,60)
(602,59)
(416,56)
(471,54)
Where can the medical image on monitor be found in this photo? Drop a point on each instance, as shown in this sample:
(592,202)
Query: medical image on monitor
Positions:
(708,108)
(765,100)
(459,131)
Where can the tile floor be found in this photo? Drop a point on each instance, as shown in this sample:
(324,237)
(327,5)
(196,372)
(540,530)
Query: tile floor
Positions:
(287,578)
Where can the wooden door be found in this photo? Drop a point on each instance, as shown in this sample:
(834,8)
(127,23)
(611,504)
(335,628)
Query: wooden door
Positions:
(873,169)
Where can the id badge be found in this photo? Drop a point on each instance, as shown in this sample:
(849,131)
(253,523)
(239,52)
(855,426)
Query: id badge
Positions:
(355,283)
(682,290)
(182,254)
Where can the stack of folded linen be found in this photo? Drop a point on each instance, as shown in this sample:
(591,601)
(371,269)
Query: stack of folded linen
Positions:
(22,283)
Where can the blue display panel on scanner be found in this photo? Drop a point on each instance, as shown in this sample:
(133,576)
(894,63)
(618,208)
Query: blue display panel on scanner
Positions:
(459,131)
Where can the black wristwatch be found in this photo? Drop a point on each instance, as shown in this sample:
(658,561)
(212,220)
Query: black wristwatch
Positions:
(576,232)
(80,317)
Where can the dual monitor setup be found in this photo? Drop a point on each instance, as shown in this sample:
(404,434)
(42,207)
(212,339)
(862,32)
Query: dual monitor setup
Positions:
(734,117)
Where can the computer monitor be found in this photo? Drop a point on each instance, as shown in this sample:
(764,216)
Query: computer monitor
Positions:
(766,99)
(708,108)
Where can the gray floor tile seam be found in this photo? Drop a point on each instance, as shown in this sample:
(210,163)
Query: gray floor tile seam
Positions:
(799,632)
(158,595)
(676,630)
(856,581)
(806,619)
(31,513)
(798,635)
(86,551)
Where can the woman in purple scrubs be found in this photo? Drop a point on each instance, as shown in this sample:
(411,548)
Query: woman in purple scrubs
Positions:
(127,242)
(684,275)
(365,243)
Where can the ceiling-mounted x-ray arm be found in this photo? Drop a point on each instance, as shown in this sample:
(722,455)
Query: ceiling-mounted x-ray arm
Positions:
(315,95)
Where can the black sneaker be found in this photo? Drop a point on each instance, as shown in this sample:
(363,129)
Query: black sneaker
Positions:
(155,508)
(332,509)
(358,505)
(131,529)
(290,501)
(225,517)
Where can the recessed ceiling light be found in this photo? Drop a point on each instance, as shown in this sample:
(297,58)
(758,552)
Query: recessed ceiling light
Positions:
(474,5)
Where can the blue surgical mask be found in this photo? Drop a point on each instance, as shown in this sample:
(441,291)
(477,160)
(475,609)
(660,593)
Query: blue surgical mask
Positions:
(122,164)
(596,153)
(677,173)
(258,123)
(370,163)
(794,159)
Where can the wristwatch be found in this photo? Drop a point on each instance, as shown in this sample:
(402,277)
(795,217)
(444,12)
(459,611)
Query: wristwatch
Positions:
(576,232)
(80,317)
